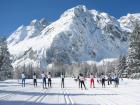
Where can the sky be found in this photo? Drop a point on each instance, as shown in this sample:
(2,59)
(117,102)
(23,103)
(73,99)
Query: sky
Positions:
(14,13)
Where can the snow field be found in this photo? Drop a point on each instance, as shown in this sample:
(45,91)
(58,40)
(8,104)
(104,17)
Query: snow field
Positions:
(11,93)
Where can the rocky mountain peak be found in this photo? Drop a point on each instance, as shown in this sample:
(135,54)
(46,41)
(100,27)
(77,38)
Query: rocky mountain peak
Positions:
(79,35)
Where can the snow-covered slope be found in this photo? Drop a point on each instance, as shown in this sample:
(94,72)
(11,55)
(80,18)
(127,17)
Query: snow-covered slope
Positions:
(78,35)
(26,32)
(127,22)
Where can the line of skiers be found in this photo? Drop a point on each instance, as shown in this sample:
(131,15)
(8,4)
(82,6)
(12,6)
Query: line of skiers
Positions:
(102,79)
(44,81)
(110,78)
(81,79)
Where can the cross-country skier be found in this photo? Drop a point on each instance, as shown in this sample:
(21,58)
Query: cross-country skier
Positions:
(82,79)
(23,79)
(44,80)
(79,81)
(92,81)
(49,80)
(35,79)
(62,80)
(116,80)
(103,80)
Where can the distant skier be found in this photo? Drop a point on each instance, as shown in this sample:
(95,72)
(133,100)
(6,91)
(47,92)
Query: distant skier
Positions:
(109,80)
(35,79)
(79,81)
(23,79)
(44,80)
(49,80)
(103,80)
(92,81)
(82,80)
(62,80)
(116,80)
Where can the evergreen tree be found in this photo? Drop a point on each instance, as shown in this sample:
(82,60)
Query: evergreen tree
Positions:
(122,65)
(133,59)
(5,62)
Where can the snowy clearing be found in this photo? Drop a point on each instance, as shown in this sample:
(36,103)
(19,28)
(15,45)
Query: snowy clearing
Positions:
(11,93)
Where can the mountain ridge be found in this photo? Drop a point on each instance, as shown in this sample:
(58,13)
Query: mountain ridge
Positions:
(78,35)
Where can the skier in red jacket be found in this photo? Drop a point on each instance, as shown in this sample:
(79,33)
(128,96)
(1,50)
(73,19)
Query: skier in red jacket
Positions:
(92,81)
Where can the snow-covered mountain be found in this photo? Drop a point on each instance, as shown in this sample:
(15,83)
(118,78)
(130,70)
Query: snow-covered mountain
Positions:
(27,32)
(127,22)
(78,35)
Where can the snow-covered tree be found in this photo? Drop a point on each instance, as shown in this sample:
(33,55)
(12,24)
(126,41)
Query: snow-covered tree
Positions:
(122,65)
(5,62)
(133,59)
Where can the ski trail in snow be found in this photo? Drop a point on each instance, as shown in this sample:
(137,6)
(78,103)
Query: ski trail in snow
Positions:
(27,100)
(37,99)
(72,102)
(71,94)
(60,97)
(67,97)
(43,96)
(40,98)
(67,101)
(7,96)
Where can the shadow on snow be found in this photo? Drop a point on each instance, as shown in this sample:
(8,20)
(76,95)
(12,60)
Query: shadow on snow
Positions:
(32,103)
(55,93)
